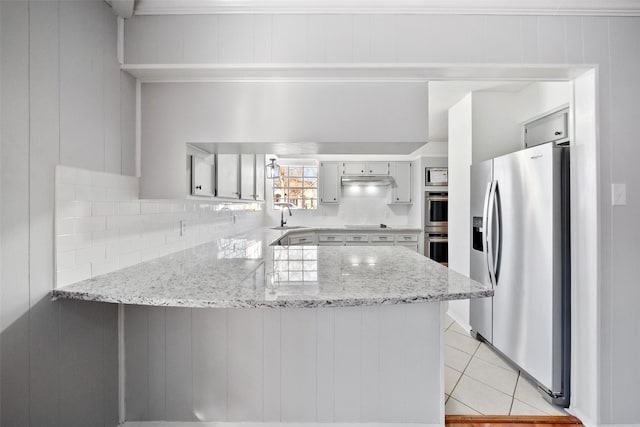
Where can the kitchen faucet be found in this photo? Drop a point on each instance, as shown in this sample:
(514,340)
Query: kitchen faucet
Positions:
(282,220)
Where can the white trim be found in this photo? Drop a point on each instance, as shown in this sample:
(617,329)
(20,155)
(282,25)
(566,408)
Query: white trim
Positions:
(120,40)
(459,7)
(138,128)
(455,318)
(586,421)
(352,72)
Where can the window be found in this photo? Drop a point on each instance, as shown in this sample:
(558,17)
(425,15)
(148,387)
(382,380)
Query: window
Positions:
(297,187)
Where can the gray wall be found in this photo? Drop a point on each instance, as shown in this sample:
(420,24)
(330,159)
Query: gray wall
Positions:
(64,100)
(609,43)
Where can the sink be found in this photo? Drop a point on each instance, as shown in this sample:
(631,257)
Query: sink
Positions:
(288,227)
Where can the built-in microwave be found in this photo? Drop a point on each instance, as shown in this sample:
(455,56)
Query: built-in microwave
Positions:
(436,216)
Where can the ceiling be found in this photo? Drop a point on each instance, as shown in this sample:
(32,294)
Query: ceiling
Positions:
(494,7)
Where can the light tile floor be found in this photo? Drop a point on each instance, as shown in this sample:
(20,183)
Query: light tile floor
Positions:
(479,382)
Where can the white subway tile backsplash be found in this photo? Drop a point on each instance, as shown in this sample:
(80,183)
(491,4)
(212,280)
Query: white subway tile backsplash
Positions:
(83,177)
(104,237)
(67,277)
(129,208)
(65,192)
(90,224)
(102,226)
(104,208)
(148,207)
(91,193)
(65,260)
(72,209)
(64,226)
(103,267)
(129,259)
(90,255)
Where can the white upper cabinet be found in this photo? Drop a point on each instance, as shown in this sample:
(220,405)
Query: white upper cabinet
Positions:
(259,175)
(247,176)
(377,168)
(401,190)
(227,168)
(354,168)
(365,168)
(202,176)
(329,180)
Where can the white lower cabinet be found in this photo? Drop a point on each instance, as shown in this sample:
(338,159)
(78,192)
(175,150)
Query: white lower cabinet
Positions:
(381,239)
(325,239)
(302,239)
(389,238)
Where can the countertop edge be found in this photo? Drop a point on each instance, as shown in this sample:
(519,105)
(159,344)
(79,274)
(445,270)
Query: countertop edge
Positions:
(61,293)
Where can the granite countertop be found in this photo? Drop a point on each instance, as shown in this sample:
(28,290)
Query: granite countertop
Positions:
(245,271)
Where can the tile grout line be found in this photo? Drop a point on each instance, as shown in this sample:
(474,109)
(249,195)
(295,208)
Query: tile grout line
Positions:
(460,377)
(513,397)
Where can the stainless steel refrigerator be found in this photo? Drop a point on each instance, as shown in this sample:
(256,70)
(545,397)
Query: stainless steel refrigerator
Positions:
(520,245)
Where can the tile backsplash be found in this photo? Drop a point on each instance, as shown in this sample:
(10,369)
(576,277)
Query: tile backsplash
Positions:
(101,224)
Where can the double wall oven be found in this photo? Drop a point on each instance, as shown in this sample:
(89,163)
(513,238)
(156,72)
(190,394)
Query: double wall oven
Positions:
(436,226)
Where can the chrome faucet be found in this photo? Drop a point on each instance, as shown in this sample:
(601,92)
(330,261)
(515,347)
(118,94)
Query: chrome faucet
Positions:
(282,220)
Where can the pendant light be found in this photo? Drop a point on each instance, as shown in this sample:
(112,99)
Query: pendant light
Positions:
(273,169)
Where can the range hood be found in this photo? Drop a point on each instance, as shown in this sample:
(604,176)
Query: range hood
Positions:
(379,180)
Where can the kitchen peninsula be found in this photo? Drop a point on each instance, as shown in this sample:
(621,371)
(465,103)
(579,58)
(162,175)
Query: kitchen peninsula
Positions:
(341,333)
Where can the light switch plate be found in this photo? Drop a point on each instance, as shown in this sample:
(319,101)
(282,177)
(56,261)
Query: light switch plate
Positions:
(618,194)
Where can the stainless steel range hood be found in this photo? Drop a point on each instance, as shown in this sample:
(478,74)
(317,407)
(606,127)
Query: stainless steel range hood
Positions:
(379,180)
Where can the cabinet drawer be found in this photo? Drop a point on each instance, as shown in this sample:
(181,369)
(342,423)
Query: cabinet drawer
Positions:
(331,237)
(412,246)
(406,238)
(381,238)
(302,239)
(362,238)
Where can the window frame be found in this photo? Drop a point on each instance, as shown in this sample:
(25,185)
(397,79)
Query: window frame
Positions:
(299,186)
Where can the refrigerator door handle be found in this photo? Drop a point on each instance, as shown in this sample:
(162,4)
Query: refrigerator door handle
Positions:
(489,234)
(497,255)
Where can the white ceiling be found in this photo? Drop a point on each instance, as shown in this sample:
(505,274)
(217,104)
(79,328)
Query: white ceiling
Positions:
(444,94)
(501,7)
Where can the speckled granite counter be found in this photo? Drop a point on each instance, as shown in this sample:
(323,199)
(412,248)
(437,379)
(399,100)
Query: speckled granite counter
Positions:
(245,271)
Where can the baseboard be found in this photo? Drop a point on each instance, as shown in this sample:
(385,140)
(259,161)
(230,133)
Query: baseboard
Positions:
(463,325)
(267,424)
(586,421)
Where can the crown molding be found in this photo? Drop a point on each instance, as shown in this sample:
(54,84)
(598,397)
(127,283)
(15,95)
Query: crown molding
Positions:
(466,7)
(351,73)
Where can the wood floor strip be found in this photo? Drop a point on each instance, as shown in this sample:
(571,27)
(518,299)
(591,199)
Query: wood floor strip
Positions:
(510,421)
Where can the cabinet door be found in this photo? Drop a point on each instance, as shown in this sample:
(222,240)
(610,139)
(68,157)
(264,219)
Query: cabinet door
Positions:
(329,182)
(354,168)
(377,168)
(201,177)
(401,192)
(260,162)
(247,176)
(227,166)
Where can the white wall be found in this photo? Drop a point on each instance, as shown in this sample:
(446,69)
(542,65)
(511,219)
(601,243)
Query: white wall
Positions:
(174,114)
(608,42)
(460,158)
(495,130)
(64,100)
(540,98)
